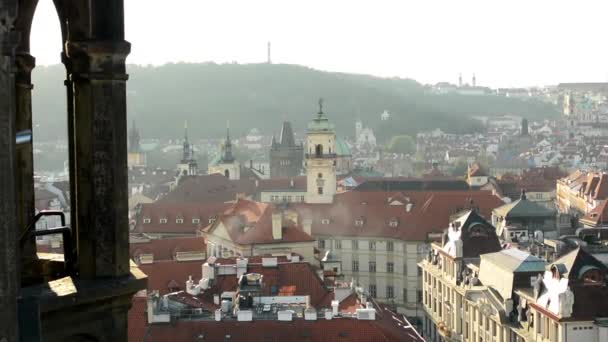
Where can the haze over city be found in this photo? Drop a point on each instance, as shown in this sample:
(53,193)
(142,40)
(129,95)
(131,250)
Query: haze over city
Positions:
(505,43)
(243,171)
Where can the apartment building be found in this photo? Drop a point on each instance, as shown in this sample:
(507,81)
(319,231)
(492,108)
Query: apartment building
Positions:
(475,291)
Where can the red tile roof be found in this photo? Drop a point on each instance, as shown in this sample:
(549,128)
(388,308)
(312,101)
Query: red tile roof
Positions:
(209,188)
(137,318)
(165,249)
(298,277)
(601,190)
(284,184)
(249,222)
(165,274)
(346,329)
(173,211)
(430,213)
(388,326)
(598,216)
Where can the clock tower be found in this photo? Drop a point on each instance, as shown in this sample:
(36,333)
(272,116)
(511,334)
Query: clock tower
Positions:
(321,159)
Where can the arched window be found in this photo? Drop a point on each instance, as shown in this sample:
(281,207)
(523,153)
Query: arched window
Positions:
(227,173)
(320,175)
(319,150)
(593,276)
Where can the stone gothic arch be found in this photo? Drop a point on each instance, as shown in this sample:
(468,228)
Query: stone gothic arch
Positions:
(93,52)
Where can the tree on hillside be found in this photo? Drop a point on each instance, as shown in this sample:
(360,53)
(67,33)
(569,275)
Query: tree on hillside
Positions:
(404,144)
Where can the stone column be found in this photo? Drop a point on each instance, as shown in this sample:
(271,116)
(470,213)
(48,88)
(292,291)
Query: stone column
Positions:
(24,63)
(9,277)
(99,130)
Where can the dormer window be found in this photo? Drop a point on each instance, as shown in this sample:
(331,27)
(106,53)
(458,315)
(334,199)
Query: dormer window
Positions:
(196,221)
(359,222)
(163,220)
(325,221)
(146,220)
(211,220)
(393,222)
(179,220)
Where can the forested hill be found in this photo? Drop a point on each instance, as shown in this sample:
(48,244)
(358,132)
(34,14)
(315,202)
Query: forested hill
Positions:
(208,95)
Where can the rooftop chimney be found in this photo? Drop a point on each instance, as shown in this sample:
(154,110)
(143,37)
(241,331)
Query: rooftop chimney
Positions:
(277,225)
(334,307)
(307,226)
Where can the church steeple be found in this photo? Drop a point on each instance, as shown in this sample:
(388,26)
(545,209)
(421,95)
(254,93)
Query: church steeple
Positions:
(188,152)
(188,165)
(321,159)
(227,156)
(134,137)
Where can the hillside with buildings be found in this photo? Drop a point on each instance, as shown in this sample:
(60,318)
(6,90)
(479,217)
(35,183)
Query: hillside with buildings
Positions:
(261,95)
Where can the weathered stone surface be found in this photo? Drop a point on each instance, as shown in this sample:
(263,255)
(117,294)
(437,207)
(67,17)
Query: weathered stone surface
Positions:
(9,280)
(24,63)
(101,153)
(93,304)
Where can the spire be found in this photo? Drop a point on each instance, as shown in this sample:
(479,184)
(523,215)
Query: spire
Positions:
(474,83)
(524,127)
(523,196)
(134,139)
(320,107)
(286,138)
(320,122)
(186,130)
(227,156)
(460,80)
(187,152)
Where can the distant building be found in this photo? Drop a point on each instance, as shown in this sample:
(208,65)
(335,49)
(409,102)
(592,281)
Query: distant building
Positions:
(522,219)
(253,140)
(364,136)
(286,157)
(321,159)
(475,291)
(188,165)
(344,157)
(385,116)
(225,163)
(581,191)
(262,298)
(251,228)
(477,176)
(136,157)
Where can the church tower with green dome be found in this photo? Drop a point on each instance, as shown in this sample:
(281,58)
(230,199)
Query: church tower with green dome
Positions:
(321,159)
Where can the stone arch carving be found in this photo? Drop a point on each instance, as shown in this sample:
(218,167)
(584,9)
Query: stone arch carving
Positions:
(94,53)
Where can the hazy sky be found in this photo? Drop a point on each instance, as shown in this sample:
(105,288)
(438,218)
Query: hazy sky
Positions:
(505,43)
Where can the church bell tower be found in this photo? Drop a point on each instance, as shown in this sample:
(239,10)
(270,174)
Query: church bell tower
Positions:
(321,159)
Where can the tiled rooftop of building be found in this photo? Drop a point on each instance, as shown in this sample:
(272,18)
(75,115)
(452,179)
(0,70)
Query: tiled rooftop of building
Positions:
(389,327)
(177,218)
(409,216)
(167,249)
(249,222)
(290,303)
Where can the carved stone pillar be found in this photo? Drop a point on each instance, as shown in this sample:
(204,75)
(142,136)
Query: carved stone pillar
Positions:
(99,131)
(9,276)
(24,63)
